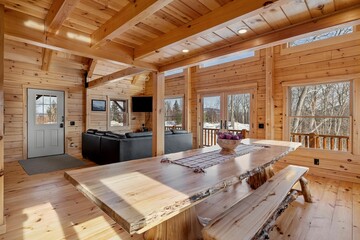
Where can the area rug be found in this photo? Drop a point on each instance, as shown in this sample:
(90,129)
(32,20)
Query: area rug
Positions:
(49,164)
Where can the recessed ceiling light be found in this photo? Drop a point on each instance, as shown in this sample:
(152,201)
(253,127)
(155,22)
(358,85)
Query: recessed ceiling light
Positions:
(242,30)
(185,50)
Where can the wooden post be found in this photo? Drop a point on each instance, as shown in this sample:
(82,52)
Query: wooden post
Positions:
(187,99)
(355,143)
(269,96)
(2,218)
(158,114)
(312,140)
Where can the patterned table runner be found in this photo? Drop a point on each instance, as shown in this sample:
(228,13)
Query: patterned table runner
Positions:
(205,160)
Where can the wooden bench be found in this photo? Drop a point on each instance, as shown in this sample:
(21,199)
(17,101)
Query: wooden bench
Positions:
(255,215)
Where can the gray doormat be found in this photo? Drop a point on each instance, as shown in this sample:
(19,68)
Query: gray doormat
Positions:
(49,164)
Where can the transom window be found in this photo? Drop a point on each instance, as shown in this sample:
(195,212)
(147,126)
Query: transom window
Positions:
(118,113)
(173,72)
(46,109)
(174,113)
(226,59)
(322,36)
(319,115)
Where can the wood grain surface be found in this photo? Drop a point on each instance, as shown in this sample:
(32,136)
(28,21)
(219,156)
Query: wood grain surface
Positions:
(141,194)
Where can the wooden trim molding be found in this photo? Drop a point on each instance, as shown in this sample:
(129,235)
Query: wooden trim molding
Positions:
(2,42)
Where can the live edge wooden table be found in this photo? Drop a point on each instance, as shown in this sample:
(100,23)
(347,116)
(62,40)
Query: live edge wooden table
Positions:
(158,199)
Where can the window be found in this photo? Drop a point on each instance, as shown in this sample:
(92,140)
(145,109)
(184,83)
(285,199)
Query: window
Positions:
(118,113)
(173,72)
(226,59)
(46,109)
(323,110)
(174,113)
(322,36)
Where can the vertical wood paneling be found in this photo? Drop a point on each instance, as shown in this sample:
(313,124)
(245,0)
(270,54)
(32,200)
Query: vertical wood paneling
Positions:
(2,220)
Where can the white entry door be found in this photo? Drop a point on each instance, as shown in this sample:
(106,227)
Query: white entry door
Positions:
(45,122)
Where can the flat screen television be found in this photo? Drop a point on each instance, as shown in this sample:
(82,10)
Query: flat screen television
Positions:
(141,103)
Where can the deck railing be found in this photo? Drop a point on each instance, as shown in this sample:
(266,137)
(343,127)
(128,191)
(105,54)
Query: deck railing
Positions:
(326,142)
(210,135)
(168,128)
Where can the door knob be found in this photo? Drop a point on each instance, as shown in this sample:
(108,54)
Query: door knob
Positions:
(61,125)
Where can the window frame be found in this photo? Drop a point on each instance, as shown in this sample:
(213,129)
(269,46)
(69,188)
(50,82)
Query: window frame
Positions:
(114,128)
(285,49)
(287,106)
(183,108)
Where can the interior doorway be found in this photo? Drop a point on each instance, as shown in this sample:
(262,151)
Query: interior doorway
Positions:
(45,125)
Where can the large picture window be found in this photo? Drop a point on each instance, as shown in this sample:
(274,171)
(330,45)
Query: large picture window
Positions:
(323,111)
(118,113)
(174,113)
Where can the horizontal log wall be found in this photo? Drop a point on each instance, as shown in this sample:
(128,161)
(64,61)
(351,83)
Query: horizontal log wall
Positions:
(320,62)
(22,71)
(122,89)
(227,77)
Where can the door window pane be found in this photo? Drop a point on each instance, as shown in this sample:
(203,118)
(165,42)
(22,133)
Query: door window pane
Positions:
(211,114)
(46,109)
(238,111)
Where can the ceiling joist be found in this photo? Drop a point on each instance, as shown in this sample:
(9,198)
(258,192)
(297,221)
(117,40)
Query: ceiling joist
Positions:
(129,16)
(128,72)
(28,29)
(348,16)
(58,12)
(232,12)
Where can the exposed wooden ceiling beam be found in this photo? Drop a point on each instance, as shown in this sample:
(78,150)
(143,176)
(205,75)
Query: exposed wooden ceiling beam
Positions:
(232,12)
(58,12)
(129,16)
(92,65)
(46,58)
(128,72)
(348,16)
(25,28)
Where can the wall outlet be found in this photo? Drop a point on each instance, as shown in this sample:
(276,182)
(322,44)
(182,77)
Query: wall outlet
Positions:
(316,161)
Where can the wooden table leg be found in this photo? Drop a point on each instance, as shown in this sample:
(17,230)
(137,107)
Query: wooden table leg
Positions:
(305,189)
(185,225)
(260,178)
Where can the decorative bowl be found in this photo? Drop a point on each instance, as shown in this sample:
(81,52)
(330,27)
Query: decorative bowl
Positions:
(228,145)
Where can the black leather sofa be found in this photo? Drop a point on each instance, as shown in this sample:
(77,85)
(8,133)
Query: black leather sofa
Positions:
(107,147)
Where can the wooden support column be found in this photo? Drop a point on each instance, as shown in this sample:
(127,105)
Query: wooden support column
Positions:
(2,217)
(356,117)
(187,99)
(158,115)
(269,97)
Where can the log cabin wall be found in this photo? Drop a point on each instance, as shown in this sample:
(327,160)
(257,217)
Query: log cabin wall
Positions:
(322,61)
(122,89)
(228,77)
(23,65)
(319,62)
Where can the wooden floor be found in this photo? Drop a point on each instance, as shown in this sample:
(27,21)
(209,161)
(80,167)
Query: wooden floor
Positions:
(46,206)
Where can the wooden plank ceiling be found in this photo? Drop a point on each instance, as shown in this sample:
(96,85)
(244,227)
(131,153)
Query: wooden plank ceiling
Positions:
(151,34)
